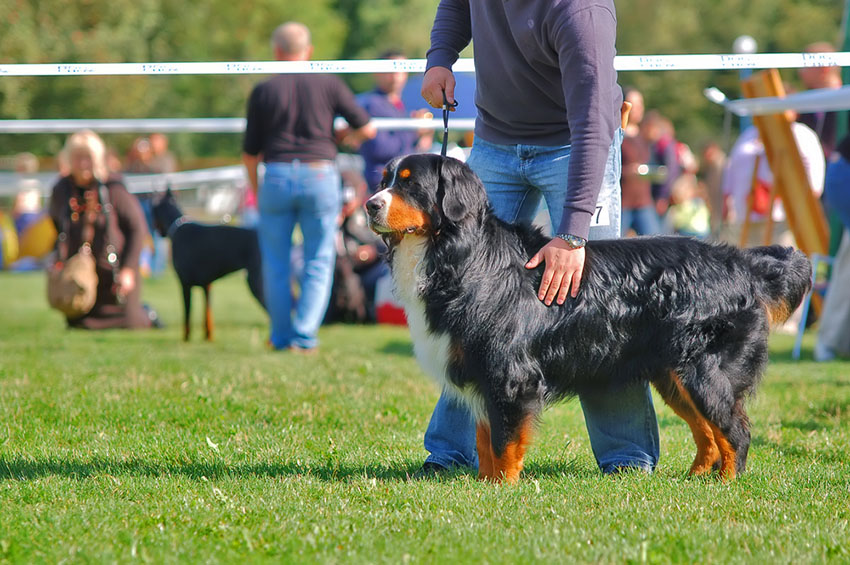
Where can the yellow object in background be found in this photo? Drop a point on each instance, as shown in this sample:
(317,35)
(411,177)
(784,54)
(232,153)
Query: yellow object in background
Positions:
(8,241)
(38,238)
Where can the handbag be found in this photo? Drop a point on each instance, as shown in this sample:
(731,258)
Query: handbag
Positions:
(72,281)
(72,284)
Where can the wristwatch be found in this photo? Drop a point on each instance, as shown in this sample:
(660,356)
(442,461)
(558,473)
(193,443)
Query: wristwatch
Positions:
(573,241)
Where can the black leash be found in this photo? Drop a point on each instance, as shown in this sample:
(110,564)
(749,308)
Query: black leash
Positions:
(446,109)
(441,190)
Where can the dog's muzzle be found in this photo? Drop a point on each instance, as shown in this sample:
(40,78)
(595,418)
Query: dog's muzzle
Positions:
(376,210)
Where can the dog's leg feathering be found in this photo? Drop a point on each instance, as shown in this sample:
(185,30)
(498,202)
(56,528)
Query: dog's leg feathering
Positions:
(508,464)
(485,452)
(677,398)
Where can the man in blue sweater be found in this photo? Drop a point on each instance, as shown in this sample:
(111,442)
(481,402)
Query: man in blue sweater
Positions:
(548,127)
(385,102)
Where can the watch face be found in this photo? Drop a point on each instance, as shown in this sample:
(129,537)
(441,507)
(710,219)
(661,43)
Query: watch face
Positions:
(573,241)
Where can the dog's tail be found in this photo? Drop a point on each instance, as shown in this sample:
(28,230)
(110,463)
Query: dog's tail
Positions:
(783,276)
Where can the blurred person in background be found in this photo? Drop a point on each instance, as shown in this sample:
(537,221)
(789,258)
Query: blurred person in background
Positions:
(139,156)
(162,160)
(289,126)
(745,188)
(834,330)
(638,208)
(689,213)
(825,124)
(634,97)
(712,163)
(78,209)
(385,102)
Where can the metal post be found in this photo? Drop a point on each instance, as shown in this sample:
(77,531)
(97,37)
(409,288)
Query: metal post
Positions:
(745,45)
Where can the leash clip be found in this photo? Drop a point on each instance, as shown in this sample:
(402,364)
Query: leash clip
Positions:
(446,109)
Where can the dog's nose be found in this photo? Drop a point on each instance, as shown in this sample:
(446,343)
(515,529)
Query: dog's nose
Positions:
(373,205)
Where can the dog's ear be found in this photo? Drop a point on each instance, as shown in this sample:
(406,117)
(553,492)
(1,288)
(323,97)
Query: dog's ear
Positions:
(168,194)
(389,172)
(462,192)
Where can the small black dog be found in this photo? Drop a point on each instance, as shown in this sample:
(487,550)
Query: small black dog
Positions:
(689,317)
(203,254)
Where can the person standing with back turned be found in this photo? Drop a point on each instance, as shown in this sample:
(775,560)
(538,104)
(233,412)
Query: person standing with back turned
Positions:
(290,128)
(548,126)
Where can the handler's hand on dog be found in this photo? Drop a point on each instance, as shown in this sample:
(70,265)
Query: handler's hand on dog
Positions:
(435,81)
(564,267)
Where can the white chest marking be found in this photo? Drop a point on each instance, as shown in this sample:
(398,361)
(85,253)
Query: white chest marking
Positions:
(431,349)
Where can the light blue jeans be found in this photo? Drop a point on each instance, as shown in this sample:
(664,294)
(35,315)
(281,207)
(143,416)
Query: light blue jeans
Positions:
(644,221)
(306,194)
(621,424)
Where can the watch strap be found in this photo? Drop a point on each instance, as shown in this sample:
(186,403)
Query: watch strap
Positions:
(573,241)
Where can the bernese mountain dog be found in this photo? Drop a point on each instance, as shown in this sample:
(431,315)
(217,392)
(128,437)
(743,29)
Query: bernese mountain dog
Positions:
(690,317)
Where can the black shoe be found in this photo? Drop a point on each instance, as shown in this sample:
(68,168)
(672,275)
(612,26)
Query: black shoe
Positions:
(430,470)
(628,469)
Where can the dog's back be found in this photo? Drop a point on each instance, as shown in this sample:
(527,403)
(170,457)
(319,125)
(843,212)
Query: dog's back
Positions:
(203,253)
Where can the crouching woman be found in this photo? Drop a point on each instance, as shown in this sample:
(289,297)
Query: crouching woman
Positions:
(94,213)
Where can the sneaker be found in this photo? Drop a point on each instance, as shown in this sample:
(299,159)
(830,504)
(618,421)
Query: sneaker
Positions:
(627,470)
(430,470)
(302,350)
(823,353)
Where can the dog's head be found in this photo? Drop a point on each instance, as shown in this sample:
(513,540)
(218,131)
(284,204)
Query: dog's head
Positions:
(425,194)
(165,211)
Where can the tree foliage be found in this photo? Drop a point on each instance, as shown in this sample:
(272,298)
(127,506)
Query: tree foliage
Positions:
(40,31)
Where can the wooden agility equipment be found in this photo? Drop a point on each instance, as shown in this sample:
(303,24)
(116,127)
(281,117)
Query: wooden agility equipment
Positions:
(803,211)
(625,109)
(751,204)
(805,214)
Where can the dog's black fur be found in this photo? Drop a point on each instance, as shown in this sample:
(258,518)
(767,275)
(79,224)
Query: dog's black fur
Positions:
(690,317)
(203,254)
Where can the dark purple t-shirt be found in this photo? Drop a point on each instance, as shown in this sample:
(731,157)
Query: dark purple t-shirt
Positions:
(291,117)
(544,76)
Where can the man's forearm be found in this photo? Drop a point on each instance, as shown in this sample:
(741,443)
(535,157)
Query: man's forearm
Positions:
(251,163)
(450,34)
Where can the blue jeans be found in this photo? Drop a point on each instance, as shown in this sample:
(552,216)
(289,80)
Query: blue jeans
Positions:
(622,426)
(644,221)
(307,194)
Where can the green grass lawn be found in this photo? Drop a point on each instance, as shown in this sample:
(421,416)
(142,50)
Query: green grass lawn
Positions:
(124,446)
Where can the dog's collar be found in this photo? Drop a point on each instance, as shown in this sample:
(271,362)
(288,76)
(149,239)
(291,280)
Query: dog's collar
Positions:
(175,225)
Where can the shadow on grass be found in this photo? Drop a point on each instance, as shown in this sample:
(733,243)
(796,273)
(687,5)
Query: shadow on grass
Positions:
(24,469)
